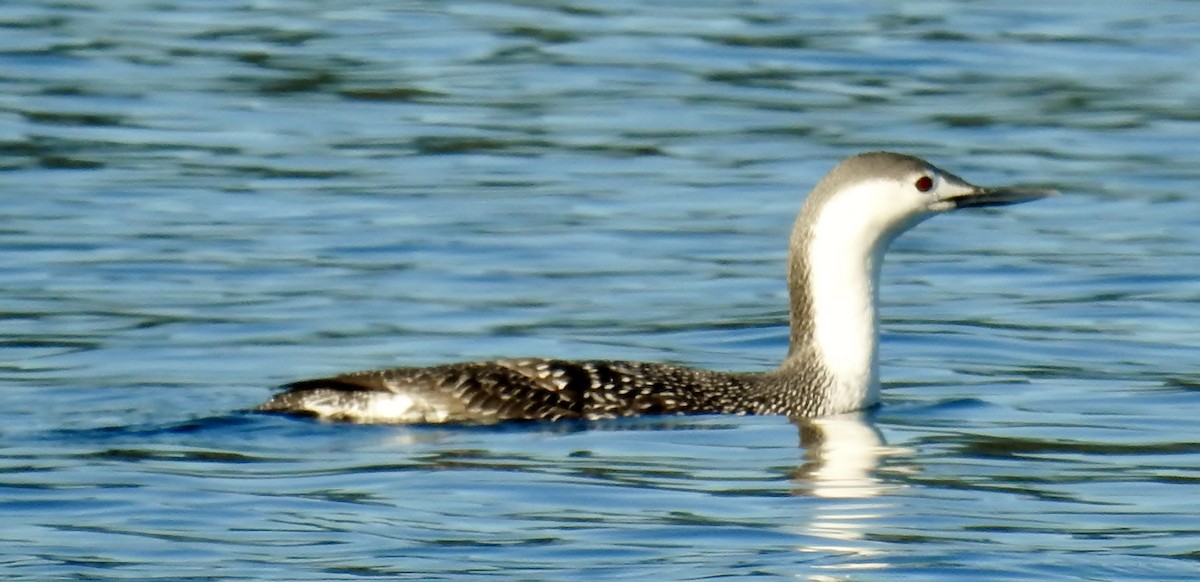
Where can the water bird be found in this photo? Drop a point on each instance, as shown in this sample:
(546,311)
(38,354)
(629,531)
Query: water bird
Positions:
(836,249)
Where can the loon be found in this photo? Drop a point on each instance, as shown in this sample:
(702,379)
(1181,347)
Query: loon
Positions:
(832,364)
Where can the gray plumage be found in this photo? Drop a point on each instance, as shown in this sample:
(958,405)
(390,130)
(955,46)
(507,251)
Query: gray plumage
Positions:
(813,380)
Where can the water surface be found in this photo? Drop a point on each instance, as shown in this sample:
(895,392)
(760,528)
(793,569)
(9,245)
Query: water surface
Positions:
(204,200)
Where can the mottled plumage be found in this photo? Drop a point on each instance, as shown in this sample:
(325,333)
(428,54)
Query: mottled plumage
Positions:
(533,389)
(836,248)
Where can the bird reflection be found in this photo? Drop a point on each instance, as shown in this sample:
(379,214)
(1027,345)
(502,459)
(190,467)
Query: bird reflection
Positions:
(841,462)
(841,455)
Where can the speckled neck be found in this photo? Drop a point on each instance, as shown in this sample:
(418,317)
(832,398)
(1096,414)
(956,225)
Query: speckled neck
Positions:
(833,352)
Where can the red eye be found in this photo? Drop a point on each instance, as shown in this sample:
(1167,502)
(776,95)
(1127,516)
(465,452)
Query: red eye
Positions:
(924,183)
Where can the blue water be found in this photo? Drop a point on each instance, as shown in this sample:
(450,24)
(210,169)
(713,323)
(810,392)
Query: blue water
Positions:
(202,200)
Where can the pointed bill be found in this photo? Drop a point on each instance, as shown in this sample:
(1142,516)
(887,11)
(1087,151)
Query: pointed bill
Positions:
(1002,196)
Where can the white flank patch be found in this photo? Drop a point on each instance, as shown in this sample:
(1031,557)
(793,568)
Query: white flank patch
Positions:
(381,407)
(386,406)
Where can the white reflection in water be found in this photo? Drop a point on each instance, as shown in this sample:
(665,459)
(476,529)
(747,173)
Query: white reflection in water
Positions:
(841,462)
(841,457)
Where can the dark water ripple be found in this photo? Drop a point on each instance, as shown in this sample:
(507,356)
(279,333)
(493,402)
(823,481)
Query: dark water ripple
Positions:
(204,200)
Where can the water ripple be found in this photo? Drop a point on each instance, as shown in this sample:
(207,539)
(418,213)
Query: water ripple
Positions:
(206,200)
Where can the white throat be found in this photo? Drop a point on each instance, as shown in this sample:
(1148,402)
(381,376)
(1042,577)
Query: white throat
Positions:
(845,247)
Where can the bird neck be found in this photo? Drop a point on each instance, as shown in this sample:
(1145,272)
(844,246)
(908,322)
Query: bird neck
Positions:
(833,282)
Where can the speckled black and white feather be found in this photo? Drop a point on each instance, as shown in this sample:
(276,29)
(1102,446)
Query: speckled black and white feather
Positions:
(542,389)
(836,248)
